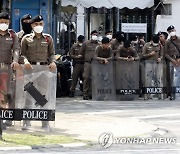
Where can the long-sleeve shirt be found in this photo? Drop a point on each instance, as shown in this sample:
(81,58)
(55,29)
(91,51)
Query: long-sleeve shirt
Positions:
(148,48)
(101,53)
(9,47)
(171,52)
(123,53)
(88,49)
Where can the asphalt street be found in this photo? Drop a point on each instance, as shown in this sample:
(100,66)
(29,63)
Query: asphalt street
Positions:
(164,115)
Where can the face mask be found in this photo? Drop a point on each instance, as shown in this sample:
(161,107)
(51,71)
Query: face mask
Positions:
(172,33)
(109,36)
(94,37)
(155,44)
(26,27)
(135,42)
(38,29)
(4,27)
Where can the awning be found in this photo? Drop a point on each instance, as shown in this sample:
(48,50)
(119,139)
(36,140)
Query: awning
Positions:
(131,4)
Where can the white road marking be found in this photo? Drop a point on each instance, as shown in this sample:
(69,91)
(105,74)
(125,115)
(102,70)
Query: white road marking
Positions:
(156,116)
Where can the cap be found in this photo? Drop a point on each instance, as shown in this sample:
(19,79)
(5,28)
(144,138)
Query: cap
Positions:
(109,31)
(119,33)
(155,38)
(4,15)
(162,33)
(105,40)
(170,28)
(26,16)
(133,37)
(127,44)
(94,31)
(37,18)
(80,38)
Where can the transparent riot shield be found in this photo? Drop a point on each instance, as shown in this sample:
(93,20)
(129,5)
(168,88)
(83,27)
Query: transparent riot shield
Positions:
(154,84)
(127,80)
(6,93)
(102,81)
(175,81)
(35,98)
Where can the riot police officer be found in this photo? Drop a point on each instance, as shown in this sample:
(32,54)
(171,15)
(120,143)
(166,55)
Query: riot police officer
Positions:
(26,26)
(103,52)
(172,53)
(78,64)
(9,49)
(87,50)
(37,49)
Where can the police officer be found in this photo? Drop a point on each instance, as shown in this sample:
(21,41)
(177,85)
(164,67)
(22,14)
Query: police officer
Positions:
(172,53)
(9,49)
(103,52)
(87,50)
(26,26)
(166,77)
(109,35)
(153,51)
(38,49)
(126,52)
(118,41)
(78,64)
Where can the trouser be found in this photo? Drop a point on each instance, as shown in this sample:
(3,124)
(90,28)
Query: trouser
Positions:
(5,86)
(87,79)
(77,73)
(175,79)
(40,81)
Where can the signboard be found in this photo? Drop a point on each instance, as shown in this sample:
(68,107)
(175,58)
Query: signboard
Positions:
(134,27)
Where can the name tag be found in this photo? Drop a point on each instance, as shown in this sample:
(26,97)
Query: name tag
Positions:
(9,39)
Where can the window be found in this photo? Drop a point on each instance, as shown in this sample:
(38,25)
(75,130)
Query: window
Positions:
(166,9)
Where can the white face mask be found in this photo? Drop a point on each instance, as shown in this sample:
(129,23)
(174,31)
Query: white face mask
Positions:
(94,38)
(109,36)
(155,44)
(38,29)
(135,42)
(4,26)
(173,34)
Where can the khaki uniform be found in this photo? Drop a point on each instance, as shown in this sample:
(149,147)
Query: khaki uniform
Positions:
(20,35)
(138,47)
(9,52)
(115,45)
(38,50)
(87,49)
(103,53)
(171,52)
(148,48)
(78,66)
(154,71)
(122,53)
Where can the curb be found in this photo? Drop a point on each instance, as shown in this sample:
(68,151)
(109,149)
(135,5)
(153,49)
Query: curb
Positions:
(65,145)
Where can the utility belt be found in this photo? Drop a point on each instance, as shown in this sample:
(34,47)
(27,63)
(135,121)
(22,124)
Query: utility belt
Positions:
(38,63)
